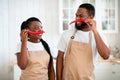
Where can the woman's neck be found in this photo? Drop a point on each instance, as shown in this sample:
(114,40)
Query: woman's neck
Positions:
(34,40)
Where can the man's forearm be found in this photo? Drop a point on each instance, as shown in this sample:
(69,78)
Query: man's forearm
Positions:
(59,69)
(59,66)
(102,48)
(51,72)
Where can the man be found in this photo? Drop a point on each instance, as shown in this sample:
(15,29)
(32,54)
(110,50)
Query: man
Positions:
(77,48)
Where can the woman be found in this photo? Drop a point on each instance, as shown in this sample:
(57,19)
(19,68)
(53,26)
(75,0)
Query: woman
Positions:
(34,57)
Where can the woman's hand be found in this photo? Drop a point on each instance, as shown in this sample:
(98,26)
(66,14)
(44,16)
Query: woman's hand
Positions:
(24,35)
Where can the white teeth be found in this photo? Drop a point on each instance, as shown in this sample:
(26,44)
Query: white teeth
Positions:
(39,34)
(78,23)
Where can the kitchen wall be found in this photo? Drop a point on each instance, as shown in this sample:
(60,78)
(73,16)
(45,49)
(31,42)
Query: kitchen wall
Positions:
(12,14)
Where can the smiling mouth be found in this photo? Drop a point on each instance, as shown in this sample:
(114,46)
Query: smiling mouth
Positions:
(78,23)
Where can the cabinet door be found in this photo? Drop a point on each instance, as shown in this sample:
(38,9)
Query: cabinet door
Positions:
(115,71)
(107,15)
(103,71)
(107,71)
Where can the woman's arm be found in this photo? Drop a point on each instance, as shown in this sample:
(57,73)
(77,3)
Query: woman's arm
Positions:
(22,58)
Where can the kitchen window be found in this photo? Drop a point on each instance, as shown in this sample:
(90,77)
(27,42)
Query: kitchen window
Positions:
(106,13)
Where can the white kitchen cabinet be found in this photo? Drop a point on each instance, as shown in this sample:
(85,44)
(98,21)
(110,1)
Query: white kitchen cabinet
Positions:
(107,71)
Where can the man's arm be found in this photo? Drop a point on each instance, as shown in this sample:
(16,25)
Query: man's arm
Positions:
(101,47)
(59,65)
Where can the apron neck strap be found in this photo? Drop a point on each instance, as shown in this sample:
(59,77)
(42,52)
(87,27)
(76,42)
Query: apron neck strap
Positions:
(72,37)
(90,37)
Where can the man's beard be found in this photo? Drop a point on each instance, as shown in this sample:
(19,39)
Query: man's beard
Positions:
(82,26)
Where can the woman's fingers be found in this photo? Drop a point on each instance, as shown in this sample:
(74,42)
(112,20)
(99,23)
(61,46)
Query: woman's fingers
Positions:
(24,34)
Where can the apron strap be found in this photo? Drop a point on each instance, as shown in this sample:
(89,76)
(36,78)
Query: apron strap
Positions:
(70,42)
(90,37)
(73,35)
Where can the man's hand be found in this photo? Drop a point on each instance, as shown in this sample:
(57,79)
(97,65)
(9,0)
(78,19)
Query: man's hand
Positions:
(91,23)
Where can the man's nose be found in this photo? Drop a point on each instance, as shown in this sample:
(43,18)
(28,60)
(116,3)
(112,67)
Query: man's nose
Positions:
(78,17)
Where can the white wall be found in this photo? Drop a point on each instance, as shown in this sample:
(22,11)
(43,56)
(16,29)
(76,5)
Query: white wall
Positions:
(12,14)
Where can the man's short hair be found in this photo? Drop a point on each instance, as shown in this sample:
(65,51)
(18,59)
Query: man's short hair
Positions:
(90,8)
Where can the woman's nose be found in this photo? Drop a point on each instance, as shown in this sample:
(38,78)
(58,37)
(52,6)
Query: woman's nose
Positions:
(40,30)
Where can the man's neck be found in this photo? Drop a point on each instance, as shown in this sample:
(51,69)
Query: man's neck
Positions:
(86,29)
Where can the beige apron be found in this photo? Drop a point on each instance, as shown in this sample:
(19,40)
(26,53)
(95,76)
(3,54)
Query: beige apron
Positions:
(78,63)
(37,68)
